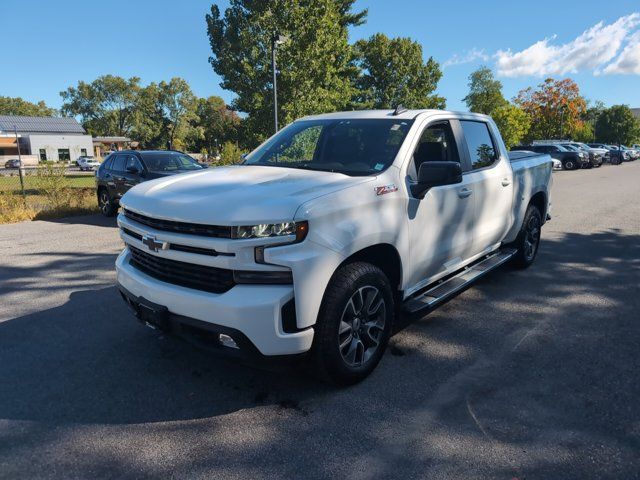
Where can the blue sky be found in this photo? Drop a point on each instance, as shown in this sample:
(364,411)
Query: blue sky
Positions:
(58,43)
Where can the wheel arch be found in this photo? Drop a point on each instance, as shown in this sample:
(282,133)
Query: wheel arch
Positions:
(539,200)
(384,256)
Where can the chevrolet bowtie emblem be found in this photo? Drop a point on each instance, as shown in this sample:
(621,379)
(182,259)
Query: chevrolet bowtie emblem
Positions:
(154,245)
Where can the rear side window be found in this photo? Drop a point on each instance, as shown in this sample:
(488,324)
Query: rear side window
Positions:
(117,163)
(482,151)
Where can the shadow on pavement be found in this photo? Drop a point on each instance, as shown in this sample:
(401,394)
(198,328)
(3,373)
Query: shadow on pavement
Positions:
(527,374)
(93,220)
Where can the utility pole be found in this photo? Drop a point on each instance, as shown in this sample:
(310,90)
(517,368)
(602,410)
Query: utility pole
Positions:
(20,169)
(276,40)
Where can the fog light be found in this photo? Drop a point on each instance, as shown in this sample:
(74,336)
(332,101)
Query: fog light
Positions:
(227,341)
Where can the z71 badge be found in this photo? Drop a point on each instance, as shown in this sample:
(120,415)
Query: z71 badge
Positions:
(386,189)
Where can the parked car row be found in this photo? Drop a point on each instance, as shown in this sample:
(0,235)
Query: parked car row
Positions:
(574,155)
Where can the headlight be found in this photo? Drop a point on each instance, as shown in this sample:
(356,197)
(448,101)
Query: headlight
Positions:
(266,230)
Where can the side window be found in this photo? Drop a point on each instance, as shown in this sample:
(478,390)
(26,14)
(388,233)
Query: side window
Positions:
(117,163)
(133,162)
(482,151)
(437,144)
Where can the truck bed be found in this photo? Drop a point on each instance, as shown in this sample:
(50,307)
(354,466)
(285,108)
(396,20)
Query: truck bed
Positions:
(531,171)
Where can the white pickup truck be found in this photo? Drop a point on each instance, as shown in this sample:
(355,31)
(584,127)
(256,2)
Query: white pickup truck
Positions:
(328,232)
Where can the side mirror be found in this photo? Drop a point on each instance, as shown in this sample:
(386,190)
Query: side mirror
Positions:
(436,174)
(134,170)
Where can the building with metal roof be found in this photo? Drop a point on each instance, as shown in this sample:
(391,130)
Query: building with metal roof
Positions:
(28,125)
(42,139)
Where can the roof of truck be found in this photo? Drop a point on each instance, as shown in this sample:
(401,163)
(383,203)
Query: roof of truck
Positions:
(405,115)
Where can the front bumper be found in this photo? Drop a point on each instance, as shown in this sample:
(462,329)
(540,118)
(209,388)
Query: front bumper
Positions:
(254,311)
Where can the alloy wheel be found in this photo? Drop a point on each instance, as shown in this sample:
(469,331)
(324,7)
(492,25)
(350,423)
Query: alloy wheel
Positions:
(362,324)
(532,238)
(104,203)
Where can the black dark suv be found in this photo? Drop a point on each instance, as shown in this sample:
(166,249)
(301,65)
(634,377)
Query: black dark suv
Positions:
(571,160)
(122,170)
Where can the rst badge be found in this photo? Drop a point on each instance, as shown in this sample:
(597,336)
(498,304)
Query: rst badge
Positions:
(386,189)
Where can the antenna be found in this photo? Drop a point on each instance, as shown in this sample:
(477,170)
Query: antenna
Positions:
(398,110)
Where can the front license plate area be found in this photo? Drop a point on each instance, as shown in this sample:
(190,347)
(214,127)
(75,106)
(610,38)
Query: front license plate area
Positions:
(153,315)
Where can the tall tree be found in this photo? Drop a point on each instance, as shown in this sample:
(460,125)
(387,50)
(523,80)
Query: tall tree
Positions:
(315,66)
(166,111)
(485,92)
(215,125)
(106,106)
(513,123)
(618,125)
(18,106)
(394,73)
(556,108)
(485,96)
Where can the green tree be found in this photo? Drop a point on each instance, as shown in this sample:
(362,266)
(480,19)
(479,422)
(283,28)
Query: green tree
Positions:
(513,123)
(230,154)
(215,124)
(485,92)
(166,113)
(106,106)
(18,106)
(316,68)
(618,125)
(394,73)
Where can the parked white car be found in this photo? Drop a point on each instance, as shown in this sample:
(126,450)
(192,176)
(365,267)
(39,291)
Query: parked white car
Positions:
(328,231)
(87,163)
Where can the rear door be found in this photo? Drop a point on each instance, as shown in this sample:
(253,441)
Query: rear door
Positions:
(117,171)
(109,177)
(440,224)
(490,177)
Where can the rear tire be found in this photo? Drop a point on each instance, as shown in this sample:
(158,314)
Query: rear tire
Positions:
(354,324)
(106,204)
(528,239)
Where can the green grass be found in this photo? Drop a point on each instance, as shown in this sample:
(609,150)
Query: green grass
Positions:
(12,183)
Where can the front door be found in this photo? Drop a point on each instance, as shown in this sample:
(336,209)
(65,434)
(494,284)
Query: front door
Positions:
(440,224)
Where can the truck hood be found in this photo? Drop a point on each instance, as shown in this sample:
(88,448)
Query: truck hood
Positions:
(235,195)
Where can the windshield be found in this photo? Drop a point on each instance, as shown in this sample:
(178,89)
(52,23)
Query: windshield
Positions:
(170,162)
(349,146)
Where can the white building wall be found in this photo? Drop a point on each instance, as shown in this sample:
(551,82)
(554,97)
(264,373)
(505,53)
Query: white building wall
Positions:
(52,143)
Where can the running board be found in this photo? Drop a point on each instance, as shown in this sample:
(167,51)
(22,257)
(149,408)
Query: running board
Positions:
(443,291)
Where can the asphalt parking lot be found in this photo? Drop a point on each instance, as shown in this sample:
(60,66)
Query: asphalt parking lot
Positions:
(529,374)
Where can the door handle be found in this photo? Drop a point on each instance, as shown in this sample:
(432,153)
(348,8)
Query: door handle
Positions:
(505,182)
(464,192)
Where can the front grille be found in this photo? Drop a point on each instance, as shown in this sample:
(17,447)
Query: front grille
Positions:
(199,277)
(180,227)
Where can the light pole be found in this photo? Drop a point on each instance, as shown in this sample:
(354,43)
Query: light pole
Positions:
(20,170)
(276,40)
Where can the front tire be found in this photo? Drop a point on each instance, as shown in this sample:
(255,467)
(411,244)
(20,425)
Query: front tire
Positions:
(354,324)
(570,165)
(528,239)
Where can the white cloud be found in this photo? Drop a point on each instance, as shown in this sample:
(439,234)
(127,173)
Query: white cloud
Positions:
(471,56)
(591,50)
(628,62)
